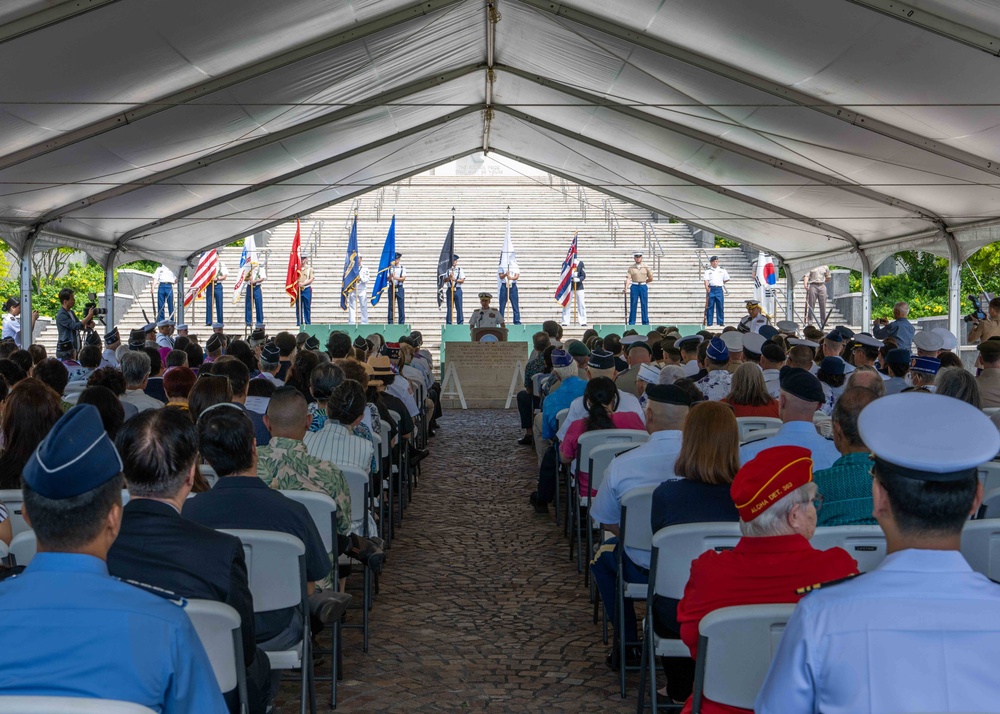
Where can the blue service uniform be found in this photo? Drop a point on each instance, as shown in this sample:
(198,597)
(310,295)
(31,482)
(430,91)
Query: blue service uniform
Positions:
(919,633)
(67,628)
(453,294)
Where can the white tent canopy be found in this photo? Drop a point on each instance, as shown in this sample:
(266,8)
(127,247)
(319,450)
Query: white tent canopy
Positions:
(825,131)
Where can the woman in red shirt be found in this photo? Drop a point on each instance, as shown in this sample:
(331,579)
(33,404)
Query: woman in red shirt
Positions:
(748,396)
(600,399)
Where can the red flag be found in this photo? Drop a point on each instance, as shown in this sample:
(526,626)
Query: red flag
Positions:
(294,265)
(203,275)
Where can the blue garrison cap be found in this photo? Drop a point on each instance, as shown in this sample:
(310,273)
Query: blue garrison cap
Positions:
(77,456)
(601,359)
(561,358)
(717,350)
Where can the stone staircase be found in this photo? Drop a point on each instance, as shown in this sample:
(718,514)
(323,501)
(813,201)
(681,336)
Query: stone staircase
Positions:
(545,212)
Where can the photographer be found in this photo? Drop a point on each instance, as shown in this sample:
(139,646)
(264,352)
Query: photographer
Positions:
(985,327)
(69,326)
(900,328)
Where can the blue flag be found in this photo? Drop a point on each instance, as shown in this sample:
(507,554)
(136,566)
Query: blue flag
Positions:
(351,268)
(385,263)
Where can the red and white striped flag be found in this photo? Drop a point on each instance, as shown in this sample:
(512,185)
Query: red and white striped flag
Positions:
(564,288)
(203,275)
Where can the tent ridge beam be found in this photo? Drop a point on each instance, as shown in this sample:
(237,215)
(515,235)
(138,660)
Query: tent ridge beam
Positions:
(743,198)
(725,144)
(346,197)
(621,197)
(184,96)
(53,15)
(763,84)
(272,138)
(143,230)
(913,15)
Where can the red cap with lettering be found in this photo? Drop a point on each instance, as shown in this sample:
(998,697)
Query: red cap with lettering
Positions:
(769,477)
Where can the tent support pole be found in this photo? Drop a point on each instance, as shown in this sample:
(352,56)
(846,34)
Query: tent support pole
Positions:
(954,285)
(26,252)
(109,288)
(180,294)
(866,291)
(789,294)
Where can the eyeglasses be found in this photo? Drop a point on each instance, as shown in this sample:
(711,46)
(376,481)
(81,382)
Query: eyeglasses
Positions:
(818,501)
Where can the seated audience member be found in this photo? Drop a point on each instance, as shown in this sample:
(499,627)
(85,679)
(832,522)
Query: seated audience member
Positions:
(286,464)
(600,399)
(670,374)
(569,387)
(801,396)
(239,380)
(53,373)
(772,359)
(801,355)
(155,545)
(868,378)
(175,358)
(69,628)
(209,390)
(959,383)
(928,343)
(897,364)
(923,370)
(383,374)
(773,562)
(359,372)
(950,359)
(110,407)
(322,381)
(716,384)
(920,632)
(989,378)
(637,353)
(241,500)
(648,464)
(113,379)
(178,383)
(154,383)
(270,364)
(336,441)
(600,364)
(749,396)
(11,371)
(706,465)
(242,351)
(298,375)
(846,486)
(527,400)
(831,376)
(29,413)
(135,369)
(865,351)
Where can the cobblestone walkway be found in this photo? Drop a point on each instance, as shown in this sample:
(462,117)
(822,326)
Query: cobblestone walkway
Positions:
(480,608)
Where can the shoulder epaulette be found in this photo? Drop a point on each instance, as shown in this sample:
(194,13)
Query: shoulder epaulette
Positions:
(162,592)
(827,584)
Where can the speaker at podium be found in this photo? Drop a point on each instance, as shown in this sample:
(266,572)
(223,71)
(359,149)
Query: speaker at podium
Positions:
(488,334)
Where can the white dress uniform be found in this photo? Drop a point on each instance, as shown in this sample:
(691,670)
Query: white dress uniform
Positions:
(772,382)
(109,358)
(752,324)
(489,317)
(716,384)
(359,296)
(12,328)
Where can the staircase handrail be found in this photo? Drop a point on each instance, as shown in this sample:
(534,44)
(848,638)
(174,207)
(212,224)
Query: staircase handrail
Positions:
(355,207)
(582,200)
(314,240)
(379,200)
(611,218)
(779,296)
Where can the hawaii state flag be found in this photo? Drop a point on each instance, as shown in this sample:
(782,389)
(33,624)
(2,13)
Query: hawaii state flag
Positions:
(294,265)
(564,290)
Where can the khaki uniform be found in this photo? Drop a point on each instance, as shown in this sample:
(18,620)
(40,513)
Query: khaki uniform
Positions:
(816,292)
(984,330)
(639,274)
(989,387)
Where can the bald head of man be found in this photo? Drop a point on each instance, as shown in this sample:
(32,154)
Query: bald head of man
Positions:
(287,414)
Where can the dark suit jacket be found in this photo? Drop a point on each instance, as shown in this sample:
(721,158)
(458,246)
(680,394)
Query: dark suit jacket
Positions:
(158,547)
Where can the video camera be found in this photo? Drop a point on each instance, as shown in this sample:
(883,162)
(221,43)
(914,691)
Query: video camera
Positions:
(91,304)
(978,313)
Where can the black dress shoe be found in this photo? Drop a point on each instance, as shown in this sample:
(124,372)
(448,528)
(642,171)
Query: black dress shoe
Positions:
(633,657)
(526,440)
(539,506)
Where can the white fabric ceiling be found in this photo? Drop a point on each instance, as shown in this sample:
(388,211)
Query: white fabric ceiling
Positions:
(811,129)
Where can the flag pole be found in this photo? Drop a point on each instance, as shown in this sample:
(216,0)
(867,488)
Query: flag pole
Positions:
(454,275)
(506,270)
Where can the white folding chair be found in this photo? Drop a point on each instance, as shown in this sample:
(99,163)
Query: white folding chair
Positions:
(990,411)
(991,505)
(536,386)
(358,482)
(672,550)
(981,546)
(218,628)
(750,424)
(585,444)
(758,435)
(68,705)
(23,548)
(385,454)
(864,543)
(14,500)
(735,649)
(323,511)
(597,463)
(634,532)
(276,569)
(989,474)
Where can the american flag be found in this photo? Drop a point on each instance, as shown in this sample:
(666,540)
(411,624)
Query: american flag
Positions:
(565,288)
(203,275)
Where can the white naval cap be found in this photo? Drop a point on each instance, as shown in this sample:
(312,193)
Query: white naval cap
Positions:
(863,338)
(787,326)
(632,339)
(929,437)
(928,341)
(689,339)
(753,342)
(795,341)
(733,340)
(948,340)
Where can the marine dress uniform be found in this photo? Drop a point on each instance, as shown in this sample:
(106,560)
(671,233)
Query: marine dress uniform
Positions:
(919,633)
(638,279)
(67,628)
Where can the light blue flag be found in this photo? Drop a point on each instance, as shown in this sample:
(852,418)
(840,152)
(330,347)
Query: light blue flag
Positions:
(352,270)
(385,263)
